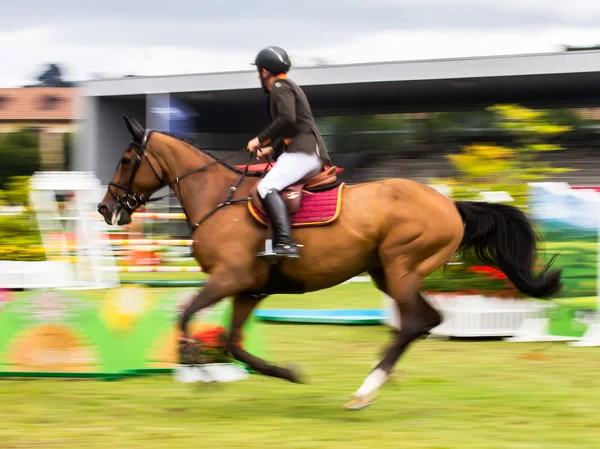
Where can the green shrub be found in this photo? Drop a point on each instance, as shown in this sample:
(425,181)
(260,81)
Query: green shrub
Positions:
(19,235)
(19,155)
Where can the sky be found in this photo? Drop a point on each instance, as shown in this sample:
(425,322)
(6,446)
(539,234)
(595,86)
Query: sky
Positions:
(113,38)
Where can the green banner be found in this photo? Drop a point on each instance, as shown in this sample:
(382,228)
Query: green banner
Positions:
(152,338)
(568,222)
(104,333)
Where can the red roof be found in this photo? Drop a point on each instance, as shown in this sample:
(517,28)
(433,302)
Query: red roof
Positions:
(38,104)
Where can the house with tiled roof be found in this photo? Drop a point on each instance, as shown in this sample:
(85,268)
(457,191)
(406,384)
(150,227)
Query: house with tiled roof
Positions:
(50,111)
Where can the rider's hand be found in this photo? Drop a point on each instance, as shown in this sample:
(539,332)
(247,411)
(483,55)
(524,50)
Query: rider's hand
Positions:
(263,153)
(253,145)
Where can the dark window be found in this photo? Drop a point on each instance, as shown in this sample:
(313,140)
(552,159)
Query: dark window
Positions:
(50,102)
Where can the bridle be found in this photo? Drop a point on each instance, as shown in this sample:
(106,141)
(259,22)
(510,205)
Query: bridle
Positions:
(130,201)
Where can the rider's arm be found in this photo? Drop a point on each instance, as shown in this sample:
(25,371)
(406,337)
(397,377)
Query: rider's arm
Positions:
(283,96)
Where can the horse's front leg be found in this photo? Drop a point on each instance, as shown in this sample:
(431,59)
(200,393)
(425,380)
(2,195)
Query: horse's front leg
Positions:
(217,288)
(243,305)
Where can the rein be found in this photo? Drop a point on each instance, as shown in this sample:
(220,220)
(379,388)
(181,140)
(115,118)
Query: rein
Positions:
(229,200)
(130,200)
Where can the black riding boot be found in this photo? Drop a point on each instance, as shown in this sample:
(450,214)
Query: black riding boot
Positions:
(283,245)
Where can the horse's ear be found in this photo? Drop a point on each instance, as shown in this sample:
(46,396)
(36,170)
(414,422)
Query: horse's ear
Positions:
(135,129)
(136,123)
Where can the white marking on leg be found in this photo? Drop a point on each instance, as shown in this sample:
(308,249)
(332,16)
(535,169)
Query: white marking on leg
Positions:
(372,383)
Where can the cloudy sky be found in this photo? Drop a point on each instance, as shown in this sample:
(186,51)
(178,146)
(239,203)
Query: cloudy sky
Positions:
(154,37)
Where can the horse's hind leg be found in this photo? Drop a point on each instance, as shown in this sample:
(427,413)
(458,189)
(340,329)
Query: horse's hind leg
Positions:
(417,317)
(243,305)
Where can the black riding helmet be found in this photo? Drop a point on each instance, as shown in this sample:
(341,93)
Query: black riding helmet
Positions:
(273,59)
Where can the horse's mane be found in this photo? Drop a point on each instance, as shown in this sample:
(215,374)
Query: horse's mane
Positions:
(212,156)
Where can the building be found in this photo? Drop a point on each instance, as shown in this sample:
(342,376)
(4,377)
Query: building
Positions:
(50,111)
(224,110)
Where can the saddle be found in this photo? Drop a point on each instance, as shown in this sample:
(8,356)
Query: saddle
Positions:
(292,195)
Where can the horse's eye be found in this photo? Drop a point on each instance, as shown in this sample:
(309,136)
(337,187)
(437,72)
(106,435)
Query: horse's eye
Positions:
(125,161)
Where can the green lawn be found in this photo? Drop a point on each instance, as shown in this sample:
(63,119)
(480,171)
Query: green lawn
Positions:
(360,295)
(446,394)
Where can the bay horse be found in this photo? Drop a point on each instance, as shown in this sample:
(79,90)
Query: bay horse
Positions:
(397,230)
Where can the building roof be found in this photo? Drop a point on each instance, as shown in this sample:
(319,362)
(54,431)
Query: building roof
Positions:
(462,70)
(38,104)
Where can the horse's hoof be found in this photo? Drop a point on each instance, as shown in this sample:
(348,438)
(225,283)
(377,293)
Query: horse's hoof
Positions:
(360,402)
(186,351)
(292,373)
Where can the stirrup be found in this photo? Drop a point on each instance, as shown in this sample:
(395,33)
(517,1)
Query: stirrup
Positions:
(273,256)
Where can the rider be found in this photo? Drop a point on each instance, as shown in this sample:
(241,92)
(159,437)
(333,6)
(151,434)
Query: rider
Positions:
(292,138)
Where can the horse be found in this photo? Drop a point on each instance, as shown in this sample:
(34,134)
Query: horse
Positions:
(397,230)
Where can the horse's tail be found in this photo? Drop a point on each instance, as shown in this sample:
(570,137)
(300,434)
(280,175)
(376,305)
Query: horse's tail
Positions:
(503,238)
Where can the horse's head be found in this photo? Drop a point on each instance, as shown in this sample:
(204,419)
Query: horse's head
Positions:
(136,178)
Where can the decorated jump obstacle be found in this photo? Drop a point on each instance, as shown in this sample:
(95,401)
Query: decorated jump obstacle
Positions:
(75,320)
(570,220)
(64,268)
(140,251)
(77,242)
(110,333)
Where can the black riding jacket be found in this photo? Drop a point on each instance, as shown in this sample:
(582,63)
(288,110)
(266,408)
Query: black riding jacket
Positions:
(292,128)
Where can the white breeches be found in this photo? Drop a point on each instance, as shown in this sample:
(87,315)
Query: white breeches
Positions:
(289,169)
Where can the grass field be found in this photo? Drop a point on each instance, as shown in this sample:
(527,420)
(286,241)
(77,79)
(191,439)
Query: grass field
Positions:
(445,394)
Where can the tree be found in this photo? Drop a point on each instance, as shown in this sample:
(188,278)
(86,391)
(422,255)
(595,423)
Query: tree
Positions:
(51,77)
(489,167)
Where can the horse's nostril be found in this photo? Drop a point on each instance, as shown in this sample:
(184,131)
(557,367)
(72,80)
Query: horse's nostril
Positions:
(102,208)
